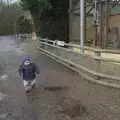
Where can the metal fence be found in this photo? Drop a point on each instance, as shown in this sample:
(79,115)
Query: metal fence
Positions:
(92,66)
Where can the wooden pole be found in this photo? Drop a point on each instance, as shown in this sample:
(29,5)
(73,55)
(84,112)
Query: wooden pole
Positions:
(106,22)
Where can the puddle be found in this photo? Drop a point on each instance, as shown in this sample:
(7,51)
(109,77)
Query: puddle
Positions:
(12,44)
(6,44)
(20,51)
(72,108)
(74,111)
(2,96)
(3,116)
(4,77)
(54,88)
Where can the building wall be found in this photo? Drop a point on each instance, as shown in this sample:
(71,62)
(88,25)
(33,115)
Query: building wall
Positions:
(114,33)
(75,28)
(114,23)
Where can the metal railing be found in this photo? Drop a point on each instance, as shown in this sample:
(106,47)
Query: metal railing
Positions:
(25,35)
(97,52)
(94,67)
(102,69)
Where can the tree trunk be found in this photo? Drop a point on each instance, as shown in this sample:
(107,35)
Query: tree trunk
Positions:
(34,36)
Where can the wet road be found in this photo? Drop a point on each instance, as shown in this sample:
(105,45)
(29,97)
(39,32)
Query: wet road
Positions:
(61,94)
(44,102)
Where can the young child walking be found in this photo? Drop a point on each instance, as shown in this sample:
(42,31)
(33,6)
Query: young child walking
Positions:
(28,72)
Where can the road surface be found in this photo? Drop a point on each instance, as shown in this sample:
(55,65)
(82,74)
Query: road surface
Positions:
(61,94)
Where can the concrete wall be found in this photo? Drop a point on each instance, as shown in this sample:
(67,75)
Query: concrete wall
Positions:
(75,28)
(114,21)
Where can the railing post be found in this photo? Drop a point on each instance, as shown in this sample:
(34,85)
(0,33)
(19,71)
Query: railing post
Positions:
(98,61)
(54,43)
(38,43)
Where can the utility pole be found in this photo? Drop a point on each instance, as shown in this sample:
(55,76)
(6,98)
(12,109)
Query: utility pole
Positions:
(98,22)
(82,25)
(70,19)
(106,22)
(95,22)
(101,24)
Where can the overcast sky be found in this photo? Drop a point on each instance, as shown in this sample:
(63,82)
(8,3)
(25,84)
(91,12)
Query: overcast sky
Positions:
(12,1)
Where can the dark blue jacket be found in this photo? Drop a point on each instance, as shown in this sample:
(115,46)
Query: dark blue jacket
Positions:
(28,72)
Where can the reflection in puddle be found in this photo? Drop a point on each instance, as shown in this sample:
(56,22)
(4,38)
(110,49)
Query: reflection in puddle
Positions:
(54,88)
(2,96)
(4,77)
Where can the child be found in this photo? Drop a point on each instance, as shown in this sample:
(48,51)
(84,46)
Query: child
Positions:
(28,71)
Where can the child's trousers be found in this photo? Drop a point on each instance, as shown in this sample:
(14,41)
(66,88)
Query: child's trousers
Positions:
(29,84)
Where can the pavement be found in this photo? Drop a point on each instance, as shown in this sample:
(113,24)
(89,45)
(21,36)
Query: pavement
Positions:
(60,94)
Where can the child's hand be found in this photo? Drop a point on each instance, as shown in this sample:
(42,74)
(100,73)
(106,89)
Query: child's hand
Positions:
(38,75)
(20,77)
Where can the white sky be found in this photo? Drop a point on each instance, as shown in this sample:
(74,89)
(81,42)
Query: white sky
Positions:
(14,1)
(11,1)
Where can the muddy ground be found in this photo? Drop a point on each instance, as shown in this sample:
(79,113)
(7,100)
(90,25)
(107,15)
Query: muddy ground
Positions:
(61,94)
